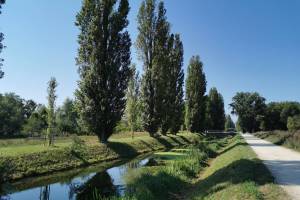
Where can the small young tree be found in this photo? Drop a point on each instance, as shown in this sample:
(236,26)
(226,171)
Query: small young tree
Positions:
(195,99)
(52,85)
(1,45)
(132,100)
(103,60)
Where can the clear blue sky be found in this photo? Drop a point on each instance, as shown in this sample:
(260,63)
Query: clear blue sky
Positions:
(245,45)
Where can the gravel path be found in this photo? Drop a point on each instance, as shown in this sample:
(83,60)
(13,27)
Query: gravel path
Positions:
(283,163)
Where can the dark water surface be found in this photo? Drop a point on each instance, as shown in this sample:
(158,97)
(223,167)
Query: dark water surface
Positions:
(74,185)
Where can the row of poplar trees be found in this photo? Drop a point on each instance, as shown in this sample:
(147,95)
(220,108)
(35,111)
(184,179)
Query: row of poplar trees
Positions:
(104,66)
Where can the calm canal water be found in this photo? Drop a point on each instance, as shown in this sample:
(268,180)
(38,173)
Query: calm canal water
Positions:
(80,186)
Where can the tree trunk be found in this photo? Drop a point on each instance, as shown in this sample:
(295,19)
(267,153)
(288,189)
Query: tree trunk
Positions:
(102,137)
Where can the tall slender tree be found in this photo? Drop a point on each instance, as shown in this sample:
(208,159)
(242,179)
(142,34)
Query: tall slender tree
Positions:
(146,20)
(103,60)
(215,113)
(52,85)
(133,100)
(195,99)
(1,45)
(176,86)
(163,44)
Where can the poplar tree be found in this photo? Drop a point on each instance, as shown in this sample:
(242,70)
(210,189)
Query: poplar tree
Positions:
(103,60)
(162,67)
(195,99)
(215,113)
(1,45)
(52,85)
(146,20)
(176,86)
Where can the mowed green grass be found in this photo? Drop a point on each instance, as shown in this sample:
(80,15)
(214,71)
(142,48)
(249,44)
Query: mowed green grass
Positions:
(236,174)
(15,147)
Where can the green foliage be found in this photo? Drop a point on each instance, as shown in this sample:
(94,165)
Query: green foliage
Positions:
(176,81)
(51,109)
(195,99)
(146,49)
(133,101)
(5,170)
(277,114)
(78,146)
(229,124)
(12,114)
(103,82)
(1,45)
(215,113)
(162,55)
(37,122)
(293,123)
(67,118)
(250,108)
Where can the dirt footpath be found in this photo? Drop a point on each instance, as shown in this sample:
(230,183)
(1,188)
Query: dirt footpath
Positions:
(283,163)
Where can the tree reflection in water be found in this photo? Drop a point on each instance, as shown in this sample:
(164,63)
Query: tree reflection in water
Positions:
(100,185)
(45,193)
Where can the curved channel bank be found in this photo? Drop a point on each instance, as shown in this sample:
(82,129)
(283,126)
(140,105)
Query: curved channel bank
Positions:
(47,162)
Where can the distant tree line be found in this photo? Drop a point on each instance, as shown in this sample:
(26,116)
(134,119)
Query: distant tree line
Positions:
(254,114)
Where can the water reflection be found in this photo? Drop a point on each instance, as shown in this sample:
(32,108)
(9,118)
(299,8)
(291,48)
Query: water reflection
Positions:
(100,185)
(97,184)
(45,193)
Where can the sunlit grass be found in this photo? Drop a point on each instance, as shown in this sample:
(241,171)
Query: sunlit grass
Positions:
(236,174)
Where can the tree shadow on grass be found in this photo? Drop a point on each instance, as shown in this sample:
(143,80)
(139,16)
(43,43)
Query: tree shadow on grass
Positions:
(159,186)
(147,145)
(232,147)
(238,172)
(122,149)
(185,139)
(176,140)
(164,142)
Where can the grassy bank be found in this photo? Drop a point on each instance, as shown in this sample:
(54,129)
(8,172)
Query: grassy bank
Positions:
(170,174)
(284,138)
(31,159)
(236,174)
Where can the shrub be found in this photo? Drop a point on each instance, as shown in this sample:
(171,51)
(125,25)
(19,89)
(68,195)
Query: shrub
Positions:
(78,146)
(294,123)
(4,171)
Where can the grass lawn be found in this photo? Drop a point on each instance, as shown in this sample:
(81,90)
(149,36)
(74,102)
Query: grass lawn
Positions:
(29,158)
(236,174)
(15,147)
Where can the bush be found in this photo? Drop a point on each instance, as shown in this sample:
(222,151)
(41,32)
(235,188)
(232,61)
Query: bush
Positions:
(78,146)
(294,123)
(4,171)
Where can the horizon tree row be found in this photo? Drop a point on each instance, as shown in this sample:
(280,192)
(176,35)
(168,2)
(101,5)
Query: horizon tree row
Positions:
(255,115)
